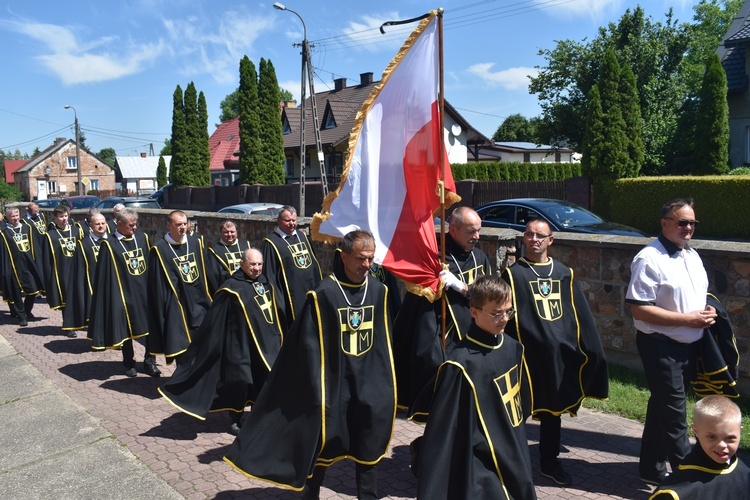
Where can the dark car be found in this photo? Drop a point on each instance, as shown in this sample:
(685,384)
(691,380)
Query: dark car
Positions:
(129,202)
(253,208)
(80,201)
(48,203)
(158,195)
(561,215)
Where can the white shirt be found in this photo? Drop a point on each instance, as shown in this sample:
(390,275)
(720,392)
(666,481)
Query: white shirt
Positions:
(671,278)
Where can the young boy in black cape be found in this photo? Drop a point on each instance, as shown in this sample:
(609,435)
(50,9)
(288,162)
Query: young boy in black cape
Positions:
(474,445)
(711,469)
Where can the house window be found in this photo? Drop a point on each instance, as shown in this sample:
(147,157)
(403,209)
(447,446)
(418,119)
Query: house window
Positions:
(289,164)
(52,187)
(527,157)
(287,127)
(94,185)
(329,122)
(72,165)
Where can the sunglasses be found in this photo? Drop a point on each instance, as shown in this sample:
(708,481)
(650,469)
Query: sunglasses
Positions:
(685,222)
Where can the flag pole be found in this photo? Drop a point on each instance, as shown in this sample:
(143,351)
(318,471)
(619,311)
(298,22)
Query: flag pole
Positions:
(441,159)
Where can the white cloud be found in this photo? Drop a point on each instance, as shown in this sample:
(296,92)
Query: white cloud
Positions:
(364,33)
(207,48)
(510,79)
(75,60)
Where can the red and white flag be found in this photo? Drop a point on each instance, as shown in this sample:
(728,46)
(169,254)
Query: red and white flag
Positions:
(389,183)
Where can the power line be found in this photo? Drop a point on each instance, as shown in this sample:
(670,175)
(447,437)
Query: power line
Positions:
(45,136)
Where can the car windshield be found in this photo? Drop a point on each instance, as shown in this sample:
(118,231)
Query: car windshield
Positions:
(571,216)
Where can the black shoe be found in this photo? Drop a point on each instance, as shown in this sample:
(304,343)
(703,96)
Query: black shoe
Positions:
(151,370)
(131,372)
(71,334)
(23,322)
(557,474)
(234,429)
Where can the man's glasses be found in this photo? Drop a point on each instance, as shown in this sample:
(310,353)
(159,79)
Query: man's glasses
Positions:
(502,314)
(684,222)
(536,236)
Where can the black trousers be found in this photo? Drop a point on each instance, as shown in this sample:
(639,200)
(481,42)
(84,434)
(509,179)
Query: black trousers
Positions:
(549,439)
(367,482)
(128,354)
(668,366)
(22,304)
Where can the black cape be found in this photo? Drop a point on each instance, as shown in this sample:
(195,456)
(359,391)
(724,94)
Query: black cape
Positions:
(19,274)
(330,395)
(222,261)
(76,312)
(292,268)
(58,254)
(178,295)
(418,350)
(553,321)
(39,230)
(232,353)
(119,303)
(717,358)
(699,478)
(475,444)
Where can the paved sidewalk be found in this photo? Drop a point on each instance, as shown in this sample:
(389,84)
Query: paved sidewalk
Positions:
(75,427)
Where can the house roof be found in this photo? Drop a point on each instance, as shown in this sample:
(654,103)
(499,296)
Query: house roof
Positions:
(138,167)
(11,167)
(732,51)
(343,104)
(57,146)
(223,143)
(529,147)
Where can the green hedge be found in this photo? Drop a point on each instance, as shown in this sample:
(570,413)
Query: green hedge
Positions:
(720,203)
(515,171)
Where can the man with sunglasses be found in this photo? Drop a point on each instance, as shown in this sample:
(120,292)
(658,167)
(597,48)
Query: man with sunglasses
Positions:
(563,350)
(667,297)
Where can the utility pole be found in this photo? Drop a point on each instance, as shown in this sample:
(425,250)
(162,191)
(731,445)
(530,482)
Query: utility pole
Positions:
(307,70)
(78,149)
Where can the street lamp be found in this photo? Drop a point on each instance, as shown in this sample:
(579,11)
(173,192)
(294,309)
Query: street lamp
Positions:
(302,155)
(78,149)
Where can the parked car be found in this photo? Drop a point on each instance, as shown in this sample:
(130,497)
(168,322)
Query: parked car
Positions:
(129,202)
(158,195)
(48,203)
(561,215)
(253,208)
(80,201)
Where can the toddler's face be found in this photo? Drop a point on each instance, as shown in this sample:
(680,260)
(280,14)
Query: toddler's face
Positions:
(718,438)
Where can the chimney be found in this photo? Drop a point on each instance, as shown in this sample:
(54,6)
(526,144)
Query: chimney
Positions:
(59,140)
(143,155)
(339,83)
(365,78)
(289,104)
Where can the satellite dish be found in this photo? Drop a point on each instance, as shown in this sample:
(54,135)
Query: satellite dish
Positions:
(456,129)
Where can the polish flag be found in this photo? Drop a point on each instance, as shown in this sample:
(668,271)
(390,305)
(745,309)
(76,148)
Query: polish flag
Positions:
(389,184)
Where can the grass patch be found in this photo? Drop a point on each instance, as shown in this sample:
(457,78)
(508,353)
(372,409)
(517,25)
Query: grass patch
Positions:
(628,397)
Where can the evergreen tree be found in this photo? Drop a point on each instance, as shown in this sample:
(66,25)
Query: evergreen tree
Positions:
(712,122)
(204,173)
(631,114)
(192,132)
(178,174)
(593,140)
(608,158)
(250,133)
(161,172)
(271,170)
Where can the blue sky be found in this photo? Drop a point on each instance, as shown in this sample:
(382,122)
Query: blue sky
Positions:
(118,63)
